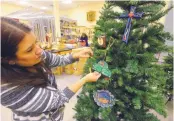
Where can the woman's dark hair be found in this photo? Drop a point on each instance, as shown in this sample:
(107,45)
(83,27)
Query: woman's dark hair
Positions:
(12,33)
(84,35)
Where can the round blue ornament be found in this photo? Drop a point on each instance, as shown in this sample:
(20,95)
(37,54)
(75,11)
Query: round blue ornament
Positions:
(104,98)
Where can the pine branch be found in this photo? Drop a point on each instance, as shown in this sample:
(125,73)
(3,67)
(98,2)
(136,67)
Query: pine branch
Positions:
(160,14)
(151,2)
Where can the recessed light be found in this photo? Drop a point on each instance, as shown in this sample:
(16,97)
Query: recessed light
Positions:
(23,2)
(67,1)
(43,8)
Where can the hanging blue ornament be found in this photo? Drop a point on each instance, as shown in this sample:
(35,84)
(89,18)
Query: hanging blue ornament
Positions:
(130,16)
(104,98)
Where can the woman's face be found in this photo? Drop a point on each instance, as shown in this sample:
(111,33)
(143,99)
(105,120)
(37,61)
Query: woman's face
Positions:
(28,53)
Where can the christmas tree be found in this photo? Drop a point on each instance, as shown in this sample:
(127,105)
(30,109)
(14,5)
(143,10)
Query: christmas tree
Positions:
(168,68)
(128,47)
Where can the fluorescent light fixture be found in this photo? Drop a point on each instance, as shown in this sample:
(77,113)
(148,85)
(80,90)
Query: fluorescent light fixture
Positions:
(23,2)
(67,1)
(43,8)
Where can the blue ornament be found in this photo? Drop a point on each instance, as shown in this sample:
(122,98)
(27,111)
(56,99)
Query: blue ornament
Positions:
(130,16)
(104,98)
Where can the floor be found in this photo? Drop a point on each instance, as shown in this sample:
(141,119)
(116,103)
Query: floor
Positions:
(65,80)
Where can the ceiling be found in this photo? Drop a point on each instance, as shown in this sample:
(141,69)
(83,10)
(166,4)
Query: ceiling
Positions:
(42,8)
(49,3)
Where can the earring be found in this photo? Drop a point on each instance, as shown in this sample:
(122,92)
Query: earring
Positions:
(12,62)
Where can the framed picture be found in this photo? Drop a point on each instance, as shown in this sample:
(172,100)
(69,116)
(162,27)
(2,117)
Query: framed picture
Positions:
(91,16)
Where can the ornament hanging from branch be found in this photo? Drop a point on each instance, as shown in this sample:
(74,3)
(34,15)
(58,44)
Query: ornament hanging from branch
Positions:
(130,16)
(102,67)
(102,41)
(146,45)
(104,98)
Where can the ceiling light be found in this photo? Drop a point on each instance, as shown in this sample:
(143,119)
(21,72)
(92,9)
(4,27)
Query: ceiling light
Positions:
(67,1)
(23,2)
(43,8)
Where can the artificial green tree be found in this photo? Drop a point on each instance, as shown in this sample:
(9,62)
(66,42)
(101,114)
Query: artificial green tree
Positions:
(137,81)
(168,68)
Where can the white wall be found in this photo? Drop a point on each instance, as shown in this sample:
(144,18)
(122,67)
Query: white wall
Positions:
(168,24)
(80,13)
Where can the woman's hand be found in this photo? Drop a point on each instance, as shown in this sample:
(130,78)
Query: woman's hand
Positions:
(91,77)
(86,52)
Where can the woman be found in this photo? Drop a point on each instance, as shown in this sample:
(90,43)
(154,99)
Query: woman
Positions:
(84,40)
(28,86)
